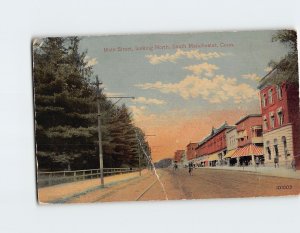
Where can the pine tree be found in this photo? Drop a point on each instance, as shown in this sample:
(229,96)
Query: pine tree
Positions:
(65,123)
(66,113)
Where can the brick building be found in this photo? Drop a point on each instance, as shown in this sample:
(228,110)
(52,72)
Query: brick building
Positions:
(232,143)
(249,140)
(178,155)
(191,150)
(280,112)
(212,149)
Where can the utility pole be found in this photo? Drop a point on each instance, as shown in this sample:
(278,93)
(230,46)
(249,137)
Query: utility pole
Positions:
(99,130)
(99,91)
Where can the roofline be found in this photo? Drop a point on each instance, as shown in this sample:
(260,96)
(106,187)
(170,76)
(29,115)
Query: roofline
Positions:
(246,117)
(262,84)
(233,127)
(218,130)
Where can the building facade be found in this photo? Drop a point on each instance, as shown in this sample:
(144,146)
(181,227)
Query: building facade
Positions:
(280,112)
(178,155)
(191,150)
(213,148)
(232,144)
(249,140)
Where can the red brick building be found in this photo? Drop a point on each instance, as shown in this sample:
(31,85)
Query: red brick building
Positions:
(178,155)
(250,140)
(281,118)
(213,147)
(191,150)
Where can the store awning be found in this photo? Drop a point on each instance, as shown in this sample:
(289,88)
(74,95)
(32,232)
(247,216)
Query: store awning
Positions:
(248,150)
(213,157)
(229,154)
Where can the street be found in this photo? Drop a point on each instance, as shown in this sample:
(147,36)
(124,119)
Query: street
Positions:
(203,184)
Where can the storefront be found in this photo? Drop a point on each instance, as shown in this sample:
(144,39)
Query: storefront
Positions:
(246,155)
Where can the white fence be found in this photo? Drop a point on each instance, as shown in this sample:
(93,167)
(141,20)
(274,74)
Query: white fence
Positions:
(58,177)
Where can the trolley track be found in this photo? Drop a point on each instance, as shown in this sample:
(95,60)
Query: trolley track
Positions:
(147,189)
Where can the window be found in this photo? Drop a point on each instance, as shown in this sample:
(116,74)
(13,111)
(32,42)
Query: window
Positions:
(285,150)
(263,99)
(272,120)
(259,133)
(280,116)
(268,150)
(265,123)
(279,92)
(270,96)
(276,148)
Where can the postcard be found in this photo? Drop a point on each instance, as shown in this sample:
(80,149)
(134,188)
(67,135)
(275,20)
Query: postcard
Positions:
(166,116)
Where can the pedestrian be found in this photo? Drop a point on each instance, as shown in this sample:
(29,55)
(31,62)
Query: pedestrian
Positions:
(190,168)
(257,161)
(276,162)
(175,167)
(293,164)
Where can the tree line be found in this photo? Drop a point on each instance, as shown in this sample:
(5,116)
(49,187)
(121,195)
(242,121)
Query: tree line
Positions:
(66,113)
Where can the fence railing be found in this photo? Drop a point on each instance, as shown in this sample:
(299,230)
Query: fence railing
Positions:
(59,177)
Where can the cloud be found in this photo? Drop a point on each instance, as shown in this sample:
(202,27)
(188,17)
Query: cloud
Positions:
(90,61)
(108,94)
(208,69)
(253,77)
(192,54)
(149,101)
(141,115)
(216,90)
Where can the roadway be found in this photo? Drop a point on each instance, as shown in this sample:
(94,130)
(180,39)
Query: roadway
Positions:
(204,183)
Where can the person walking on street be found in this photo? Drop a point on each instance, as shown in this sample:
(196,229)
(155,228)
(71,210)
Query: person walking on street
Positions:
(257,160)
(276,162)
(190,168)
(293,164)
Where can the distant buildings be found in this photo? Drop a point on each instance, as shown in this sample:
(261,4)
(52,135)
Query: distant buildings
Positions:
(191,150)
(178,155)
(212,149)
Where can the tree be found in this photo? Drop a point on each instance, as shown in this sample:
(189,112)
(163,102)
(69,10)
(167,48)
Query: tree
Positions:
(65,123)
(287,68)
(66,112)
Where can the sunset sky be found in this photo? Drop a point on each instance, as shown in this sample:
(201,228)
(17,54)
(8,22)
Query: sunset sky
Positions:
(183,84)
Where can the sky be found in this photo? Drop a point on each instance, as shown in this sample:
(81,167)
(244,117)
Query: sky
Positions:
(183,84)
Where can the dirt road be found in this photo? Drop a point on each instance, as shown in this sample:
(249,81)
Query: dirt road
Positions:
(204,183)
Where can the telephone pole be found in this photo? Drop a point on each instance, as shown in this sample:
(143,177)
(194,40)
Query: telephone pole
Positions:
(99,90)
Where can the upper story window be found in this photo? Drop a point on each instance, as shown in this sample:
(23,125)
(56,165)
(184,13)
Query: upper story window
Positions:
(279,92)
(264,100)
(258,133)
(280,116)
(270,96)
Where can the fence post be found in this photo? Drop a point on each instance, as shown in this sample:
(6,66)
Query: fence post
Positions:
(50,178)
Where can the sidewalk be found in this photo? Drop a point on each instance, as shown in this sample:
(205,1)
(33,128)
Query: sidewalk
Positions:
(59,193)
(267,171)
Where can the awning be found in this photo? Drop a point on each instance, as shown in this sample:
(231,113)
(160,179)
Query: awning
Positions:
(213,157)
(229,154)
(248,150)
